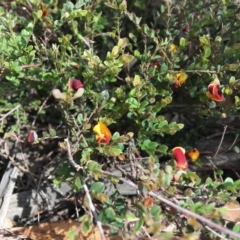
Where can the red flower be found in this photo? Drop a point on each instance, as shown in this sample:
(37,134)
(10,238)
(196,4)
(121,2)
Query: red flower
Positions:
(179,156)
(214,92)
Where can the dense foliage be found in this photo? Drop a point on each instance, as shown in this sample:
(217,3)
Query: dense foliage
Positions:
(126,82)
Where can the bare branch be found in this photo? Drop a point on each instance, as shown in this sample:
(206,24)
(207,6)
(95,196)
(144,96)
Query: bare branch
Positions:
(70,158)
(93,210)
(187,212)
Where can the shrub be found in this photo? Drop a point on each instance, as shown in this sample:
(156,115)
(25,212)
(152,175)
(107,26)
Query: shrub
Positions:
(116,71)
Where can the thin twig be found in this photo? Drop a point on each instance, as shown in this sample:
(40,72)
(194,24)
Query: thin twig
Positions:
(10,112)
(233,143)
(118,167)
(202,71)
(31,66)
(76,206)
(70,158)
(131,159)
(40,109)
(13,161)
(79,134)
(234,170)
(220,144)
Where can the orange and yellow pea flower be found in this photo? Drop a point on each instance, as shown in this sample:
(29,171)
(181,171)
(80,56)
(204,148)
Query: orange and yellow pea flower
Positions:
(180,158)
(179,79)
(214,92)
(103,134)
(193,154)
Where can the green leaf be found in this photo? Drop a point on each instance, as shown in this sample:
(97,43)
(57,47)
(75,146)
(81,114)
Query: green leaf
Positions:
(182,42)
(111,5)
(39,14)
(115,136)
(236,227)
(92,165)
(121,139)
(130,217)
(167,100)
(144,104)
(126,58)
(207,51)
(78,184)
(149,146)
(123,6)
(57,182)
(163,148)
(209,181)
(164,67)
(163,123)
(133,102)
(2,11)
(204,40)
(236,149)
(63,169)
(155,211)
(237,183)
(80,118)
(105,95)
(107,215)
(78,13)
(52,132)
(233,67)
(115,51)
(138,226)
(218,39)
(86,224)
(232,80)
(71,234)
(219,172)
(212,104)
(97,187)
(228,181)
(112,151)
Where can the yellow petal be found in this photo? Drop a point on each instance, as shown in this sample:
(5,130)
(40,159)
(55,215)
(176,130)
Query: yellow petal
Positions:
(102,132)
(181,77)
(214,98)
(173,48)
(97,129)
(193,154)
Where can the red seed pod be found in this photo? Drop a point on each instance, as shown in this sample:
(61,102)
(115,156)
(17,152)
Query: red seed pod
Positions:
(32,136)
(75,84)
(186,28)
